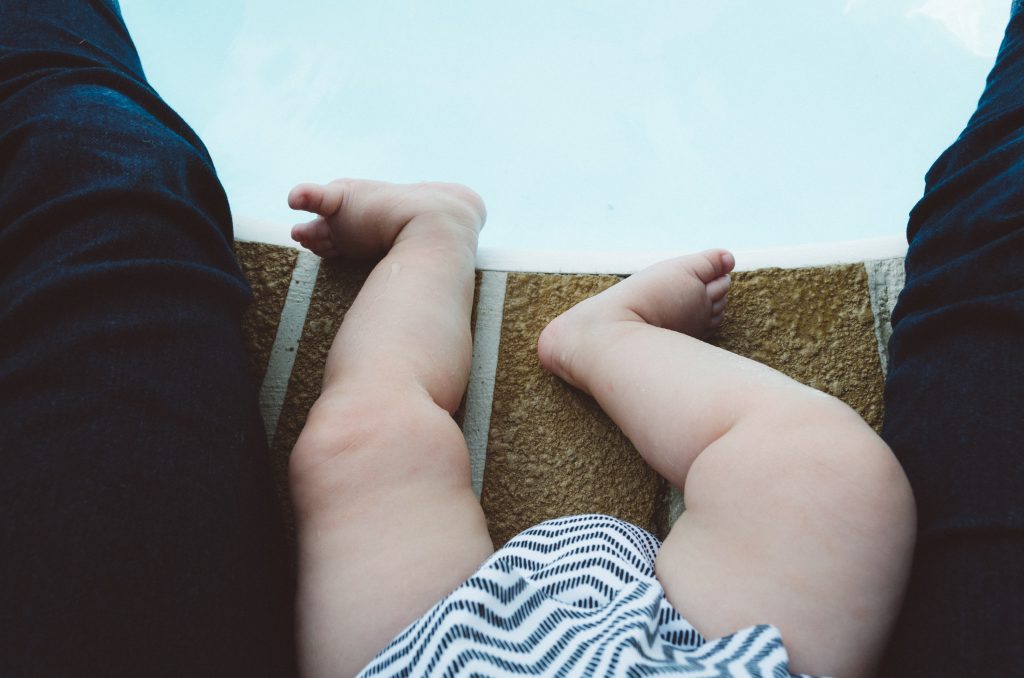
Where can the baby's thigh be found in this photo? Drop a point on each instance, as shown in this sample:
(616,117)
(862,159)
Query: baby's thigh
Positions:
(387,522)
(801,521)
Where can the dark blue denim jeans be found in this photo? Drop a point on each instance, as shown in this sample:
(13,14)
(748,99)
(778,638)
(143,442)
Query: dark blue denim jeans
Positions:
(955,394)
(139,534)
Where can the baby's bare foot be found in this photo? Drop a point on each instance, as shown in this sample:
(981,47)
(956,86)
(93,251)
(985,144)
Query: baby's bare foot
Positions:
(687,294)
(360,219)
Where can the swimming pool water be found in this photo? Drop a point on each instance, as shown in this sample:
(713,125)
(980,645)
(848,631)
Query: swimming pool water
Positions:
(585,125)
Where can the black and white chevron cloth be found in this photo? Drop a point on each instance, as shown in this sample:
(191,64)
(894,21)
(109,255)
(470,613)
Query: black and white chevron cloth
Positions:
(575,596)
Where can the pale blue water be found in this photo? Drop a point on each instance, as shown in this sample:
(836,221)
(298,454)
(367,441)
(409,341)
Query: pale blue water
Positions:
(585,124)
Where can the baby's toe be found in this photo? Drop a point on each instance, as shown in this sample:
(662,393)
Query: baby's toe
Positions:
(322,200)
(712,264)
(300,233)
(304,196)
(315,236)
(718,288)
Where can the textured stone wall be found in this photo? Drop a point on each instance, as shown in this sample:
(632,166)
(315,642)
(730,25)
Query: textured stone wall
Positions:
(549,450)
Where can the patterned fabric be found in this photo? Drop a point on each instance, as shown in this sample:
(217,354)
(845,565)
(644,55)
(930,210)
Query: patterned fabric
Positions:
(575,596)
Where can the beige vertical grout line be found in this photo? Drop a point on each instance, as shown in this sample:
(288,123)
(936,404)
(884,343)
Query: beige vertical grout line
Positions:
(286,343)
(886,278)
(675,506)
(476,424)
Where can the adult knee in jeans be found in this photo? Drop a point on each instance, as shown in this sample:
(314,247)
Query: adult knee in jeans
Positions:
(94,157)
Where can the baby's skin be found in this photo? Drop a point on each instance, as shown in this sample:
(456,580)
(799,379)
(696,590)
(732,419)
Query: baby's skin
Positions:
(798,515)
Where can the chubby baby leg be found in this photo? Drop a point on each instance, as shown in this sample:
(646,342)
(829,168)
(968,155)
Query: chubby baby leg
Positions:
(387,520)
(797,513)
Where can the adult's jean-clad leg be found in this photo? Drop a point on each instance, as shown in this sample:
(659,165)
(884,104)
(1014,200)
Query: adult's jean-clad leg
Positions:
(955,394)
(139,534)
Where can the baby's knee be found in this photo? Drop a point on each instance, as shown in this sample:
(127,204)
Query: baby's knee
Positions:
(360,440)
(114,155)
(116,131)
(818,458)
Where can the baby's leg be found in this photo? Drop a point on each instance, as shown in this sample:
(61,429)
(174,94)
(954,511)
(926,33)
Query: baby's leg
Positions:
(797,514)
(387,520)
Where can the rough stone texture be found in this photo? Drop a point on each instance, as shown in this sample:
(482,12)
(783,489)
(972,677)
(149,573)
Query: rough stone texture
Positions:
(268,268)
(814,324)
(551,451)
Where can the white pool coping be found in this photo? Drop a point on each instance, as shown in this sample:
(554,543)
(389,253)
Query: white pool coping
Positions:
(624,262)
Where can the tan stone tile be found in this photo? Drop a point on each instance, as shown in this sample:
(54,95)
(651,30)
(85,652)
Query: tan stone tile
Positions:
(813,324)
(268,268)
(552,452)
